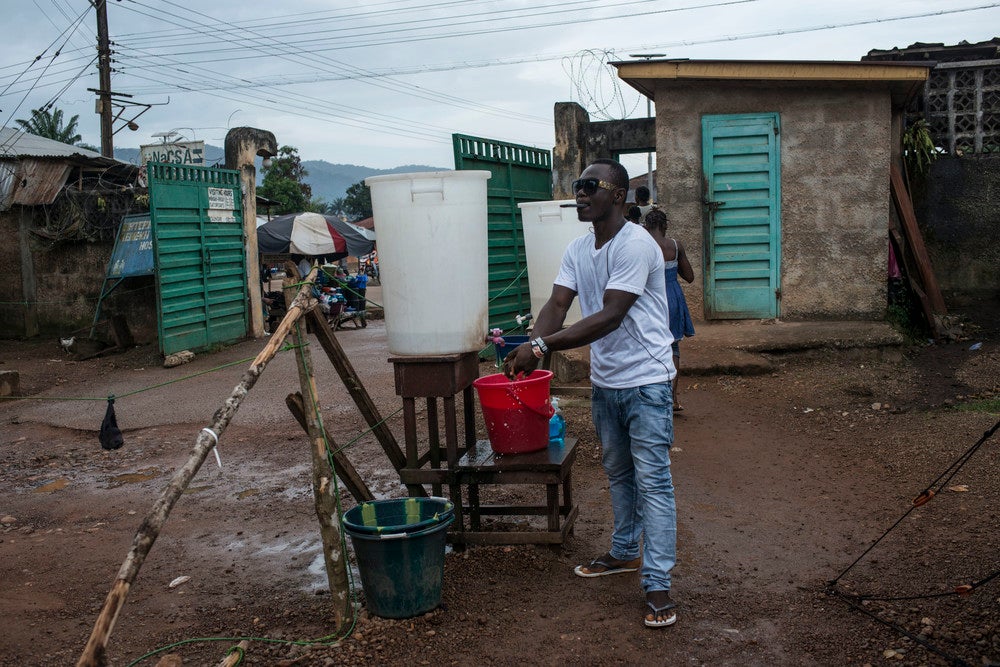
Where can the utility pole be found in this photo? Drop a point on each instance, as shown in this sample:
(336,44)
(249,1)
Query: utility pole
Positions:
(104,71)
(649,114)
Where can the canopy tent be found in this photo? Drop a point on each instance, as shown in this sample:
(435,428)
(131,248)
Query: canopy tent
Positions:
(314,235)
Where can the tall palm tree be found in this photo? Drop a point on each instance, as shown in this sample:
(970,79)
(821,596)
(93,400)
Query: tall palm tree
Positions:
(50,125)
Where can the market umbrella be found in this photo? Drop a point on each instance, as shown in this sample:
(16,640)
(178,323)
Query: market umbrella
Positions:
(313,235)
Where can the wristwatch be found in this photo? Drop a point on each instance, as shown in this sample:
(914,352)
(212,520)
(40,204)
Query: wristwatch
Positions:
(538,347)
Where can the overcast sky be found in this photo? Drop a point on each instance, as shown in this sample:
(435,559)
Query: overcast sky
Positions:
(384,83)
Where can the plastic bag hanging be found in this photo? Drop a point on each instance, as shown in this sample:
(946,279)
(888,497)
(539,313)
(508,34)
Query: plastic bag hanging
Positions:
(111,436)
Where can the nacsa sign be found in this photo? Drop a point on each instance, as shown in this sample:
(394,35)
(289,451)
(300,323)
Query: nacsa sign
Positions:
(181,152)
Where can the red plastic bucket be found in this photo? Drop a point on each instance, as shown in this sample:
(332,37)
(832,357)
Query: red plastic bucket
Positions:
(516,412)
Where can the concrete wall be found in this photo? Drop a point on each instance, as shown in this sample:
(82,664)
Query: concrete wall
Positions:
(12,315)
(67,280)
(835,150)
(960,217)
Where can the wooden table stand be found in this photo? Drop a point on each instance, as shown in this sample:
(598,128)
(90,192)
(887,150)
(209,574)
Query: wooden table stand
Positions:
(431,378)
(552,467)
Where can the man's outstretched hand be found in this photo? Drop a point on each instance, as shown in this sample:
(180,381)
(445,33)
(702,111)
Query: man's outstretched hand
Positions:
(519,361)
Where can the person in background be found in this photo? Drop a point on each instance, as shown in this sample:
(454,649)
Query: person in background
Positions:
(634,215)
(642,201)
(617,271)
(675,263)
(265,277)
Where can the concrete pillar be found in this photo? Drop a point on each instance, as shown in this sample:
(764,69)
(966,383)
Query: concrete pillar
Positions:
(243,145)
(568,155)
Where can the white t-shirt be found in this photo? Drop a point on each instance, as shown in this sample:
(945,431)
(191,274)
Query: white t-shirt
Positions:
(638,352)
(643,210)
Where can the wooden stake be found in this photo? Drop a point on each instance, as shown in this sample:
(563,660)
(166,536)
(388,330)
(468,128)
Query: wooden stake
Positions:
(322,481)
(95,652)
(341,464)
(915,240)
(352,382)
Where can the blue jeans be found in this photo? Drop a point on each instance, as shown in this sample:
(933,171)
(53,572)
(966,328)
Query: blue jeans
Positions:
(636,429)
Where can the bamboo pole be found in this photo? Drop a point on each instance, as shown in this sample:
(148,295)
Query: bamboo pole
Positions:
(95,652)
(322,482)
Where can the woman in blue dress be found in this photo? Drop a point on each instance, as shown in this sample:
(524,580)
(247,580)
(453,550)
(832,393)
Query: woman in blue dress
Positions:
(675,264)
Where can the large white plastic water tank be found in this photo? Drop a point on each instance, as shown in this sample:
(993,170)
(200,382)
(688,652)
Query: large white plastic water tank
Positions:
(548,229)
(433,260)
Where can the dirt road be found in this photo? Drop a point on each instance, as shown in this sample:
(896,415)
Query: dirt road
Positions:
(782,481)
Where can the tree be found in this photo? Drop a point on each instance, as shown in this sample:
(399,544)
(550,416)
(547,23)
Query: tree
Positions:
(358,201)
(336,207)
(284,182)
(44,123)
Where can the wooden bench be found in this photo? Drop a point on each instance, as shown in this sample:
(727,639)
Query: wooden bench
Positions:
(552,467)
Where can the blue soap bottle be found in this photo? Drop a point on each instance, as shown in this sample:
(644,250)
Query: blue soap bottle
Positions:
(557,425)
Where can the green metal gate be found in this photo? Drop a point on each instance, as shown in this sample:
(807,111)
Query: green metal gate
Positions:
(201,275)
(519,174)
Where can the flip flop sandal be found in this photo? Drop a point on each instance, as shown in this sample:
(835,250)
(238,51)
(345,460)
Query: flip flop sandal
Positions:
(600,567)
(669,619)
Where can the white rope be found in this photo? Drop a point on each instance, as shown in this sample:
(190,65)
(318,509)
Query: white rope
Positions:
(215,447)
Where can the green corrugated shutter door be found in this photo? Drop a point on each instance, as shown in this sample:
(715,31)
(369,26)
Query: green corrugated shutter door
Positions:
(197,222)
(741,159)
(519,174)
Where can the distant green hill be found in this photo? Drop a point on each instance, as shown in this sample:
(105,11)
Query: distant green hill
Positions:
(328,180)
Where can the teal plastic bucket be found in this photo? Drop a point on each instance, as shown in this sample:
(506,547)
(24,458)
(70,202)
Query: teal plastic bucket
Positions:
(401,573)
(398,515)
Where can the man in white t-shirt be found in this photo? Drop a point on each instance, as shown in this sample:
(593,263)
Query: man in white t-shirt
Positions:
(617,272)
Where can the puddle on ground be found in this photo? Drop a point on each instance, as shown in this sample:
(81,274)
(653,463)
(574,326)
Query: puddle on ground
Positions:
(197,489)
(135,477)
(247,493)
(57,485)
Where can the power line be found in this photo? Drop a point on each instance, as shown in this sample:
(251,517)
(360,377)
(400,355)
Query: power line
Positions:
(445,67)
(794,31)
(32,62)
(207,84)
(67,65)
(213,85)
(384,36)
(275,106)
(70,29)
(413,90)
(423,93)
(293,30)
(493,62)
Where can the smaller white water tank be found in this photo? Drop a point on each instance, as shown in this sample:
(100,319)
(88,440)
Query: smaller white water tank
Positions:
(548,229)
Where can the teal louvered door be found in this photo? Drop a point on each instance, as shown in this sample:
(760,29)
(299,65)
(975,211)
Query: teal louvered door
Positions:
(741,162)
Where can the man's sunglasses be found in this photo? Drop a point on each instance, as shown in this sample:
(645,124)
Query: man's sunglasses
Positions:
(590,185)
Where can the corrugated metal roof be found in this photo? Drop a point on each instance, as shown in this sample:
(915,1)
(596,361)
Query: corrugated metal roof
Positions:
(40,182)
(8,177)
(18,143)
(36,168)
